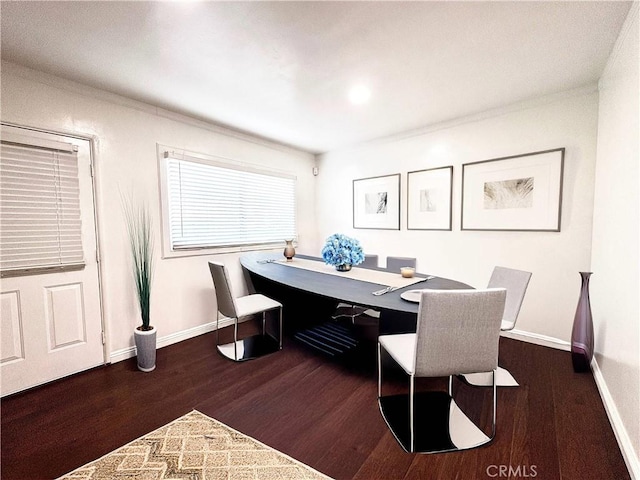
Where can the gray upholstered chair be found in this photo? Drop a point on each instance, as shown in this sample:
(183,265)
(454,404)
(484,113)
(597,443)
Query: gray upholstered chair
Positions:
(370,261)
(516,282)
(394,264)
(457,332)
(352,311)
(240,309)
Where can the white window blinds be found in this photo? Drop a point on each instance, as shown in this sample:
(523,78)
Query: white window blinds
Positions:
(218,205)
(40,208)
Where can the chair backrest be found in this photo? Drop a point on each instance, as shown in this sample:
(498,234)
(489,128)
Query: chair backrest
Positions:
(394,264)
(458,331)
(370,261)
(226,304)
(515,281)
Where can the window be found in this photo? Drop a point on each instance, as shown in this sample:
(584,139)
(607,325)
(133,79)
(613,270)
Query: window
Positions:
(213,203)
(40,214)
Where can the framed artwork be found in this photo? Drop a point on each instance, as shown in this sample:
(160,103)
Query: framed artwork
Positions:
(429,198)
(376,202)
(518,193)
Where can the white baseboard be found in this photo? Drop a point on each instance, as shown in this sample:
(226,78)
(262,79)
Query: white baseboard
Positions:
(624,441)
(538,339)
(125,353)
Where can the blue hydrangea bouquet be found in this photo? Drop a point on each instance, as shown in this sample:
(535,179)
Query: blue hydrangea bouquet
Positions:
(342,252)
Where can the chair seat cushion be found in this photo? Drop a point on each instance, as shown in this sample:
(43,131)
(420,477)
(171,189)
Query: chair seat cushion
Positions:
(256,303)
(402,347)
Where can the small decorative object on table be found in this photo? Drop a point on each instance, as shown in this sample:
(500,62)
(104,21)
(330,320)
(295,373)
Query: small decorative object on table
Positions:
(407,272)
(289,250)
(582,333)
(342,252)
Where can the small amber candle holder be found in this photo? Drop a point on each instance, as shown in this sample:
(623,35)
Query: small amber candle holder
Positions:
(407,272)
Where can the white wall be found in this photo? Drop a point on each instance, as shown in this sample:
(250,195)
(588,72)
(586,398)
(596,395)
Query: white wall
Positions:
(126,134)
(615,285)
(568,120)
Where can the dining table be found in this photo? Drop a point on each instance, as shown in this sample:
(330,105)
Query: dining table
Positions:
(310,290)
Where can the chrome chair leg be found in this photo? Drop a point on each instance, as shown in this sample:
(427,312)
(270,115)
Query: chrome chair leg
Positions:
(235,339)
(217,330)
(411,393)
(495,401)
(379,371)
(280,329)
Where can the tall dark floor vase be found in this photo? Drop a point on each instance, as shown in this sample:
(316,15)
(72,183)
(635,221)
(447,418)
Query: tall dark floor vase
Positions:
(582,333)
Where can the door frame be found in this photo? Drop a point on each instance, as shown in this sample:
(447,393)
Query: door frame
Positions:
(93,140)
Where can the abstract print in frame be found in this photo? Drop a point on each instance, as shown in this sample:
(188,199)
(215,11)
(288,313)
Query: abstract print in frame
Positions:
(518,193)
(429,199)
(376,202)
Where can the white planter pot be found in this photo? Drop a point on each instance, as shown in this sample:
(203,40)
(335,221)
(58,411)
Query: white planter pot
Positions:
(146,349)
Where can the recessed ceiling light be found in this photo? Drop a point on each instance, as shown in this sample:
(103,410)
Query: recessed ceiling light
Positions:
(359,94)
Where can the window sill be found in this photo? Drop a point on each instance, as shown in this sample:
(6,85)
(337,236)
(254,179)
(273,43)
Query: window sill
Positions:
(195,252)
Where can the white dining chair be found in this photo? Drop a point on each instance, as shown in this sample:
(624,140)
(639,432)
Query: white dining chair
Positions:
(515,282)
(239,309)
(457,333)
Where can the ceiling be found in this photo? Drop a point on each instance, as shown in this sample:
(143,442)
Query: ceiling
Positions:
(283,70)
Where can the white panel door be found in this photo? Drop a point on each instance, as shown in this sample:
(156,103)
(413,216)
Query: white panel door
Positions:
(52,322)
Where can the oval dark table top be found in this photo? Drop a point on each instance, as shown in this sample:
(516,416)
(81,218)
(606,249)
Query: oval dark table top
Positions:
(344,289)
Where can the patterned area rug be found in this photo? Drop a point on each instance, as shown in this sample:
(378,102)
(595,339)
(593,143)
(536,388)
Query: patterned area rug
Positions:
(195,447)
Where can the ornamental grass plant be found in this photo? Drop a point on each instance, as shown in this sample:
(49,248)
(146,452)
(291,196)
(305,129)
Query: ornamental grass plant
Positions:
(141,242)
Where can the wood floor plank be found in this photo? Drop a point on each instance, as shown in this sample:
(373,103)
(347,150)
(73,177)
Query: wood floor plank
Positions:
(534,449)
(321,412)
(386,461)
(355,425)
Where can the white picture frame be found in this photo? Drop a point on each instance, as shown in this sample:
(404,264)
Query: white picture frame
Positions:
(376,202)
(429,199)
(517,193)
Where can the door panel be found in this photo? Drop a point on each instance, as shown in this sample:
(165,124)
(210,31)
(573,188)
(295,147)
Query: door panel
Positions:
(12,336)
(52,322)
(65,315)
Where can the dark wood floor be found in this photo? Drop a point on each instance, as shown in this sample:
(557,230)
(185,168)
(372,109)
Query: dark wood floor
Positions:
(321,412)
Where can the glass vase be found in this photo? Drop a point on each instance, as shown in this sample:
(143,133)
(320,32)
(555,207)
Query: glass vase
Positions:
(582,332)
(289,250)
